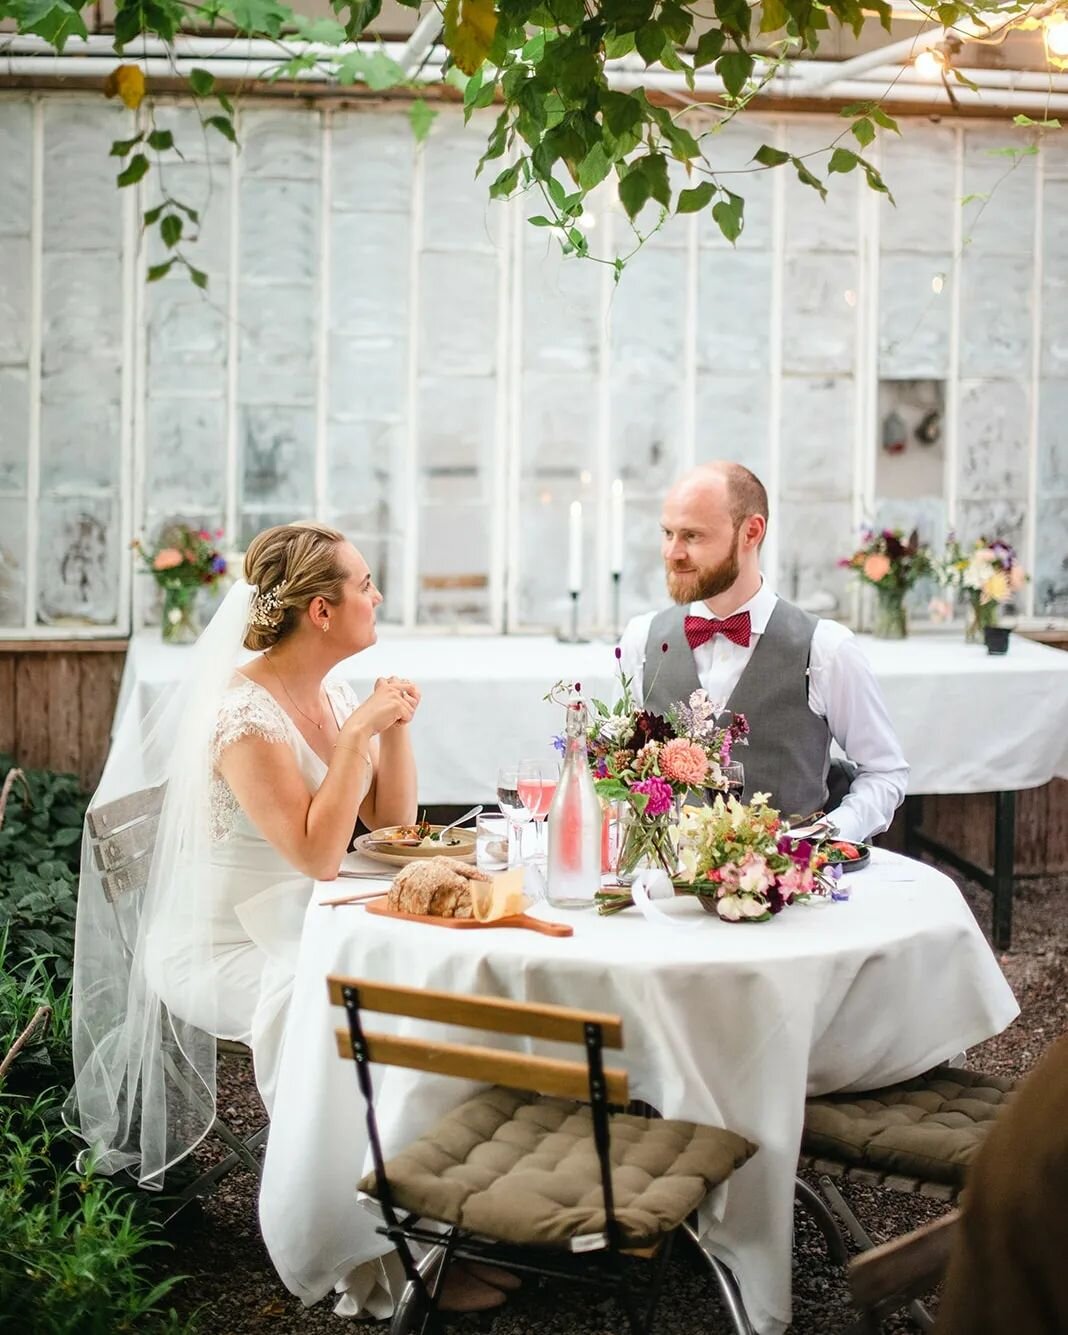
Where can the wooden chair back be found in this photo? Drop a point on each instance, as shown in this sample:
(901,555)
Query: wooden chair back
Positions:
(543,1075)
(122,835)
(895,1273)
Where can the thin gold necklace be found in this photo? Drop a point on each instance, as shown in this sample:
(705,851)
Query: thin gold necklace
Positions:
(293,702)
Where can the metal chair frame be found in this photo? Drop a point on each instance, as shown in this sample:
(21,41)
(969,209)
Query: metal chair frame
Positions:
(602,1269)
(122,836)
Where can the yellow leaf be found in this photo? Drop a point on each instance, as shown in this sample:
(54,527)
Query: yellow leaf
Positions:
(127,82)
(470,26)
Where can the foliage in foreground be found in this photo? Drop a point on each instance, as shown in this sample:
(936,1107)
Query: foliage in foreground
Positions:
(40,846)
(564,128)
(74,1248)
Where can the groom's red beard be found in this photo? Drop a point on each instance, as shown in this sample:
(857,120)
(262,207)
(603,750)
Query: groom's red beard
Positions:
(694,586)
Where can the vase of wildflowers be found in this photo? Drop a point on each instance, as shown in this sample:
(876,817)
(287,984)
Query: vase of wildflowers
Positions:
(649,764)
(185,561)
(986,576)
(890,563)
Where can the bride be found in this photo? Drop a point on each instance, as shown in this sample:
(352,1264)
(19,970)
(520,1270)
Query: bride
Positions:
(264,766)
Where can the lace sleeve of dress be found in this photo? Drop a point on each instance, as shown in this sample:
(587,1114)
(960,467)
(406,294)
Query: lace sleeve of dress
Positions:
(248,711)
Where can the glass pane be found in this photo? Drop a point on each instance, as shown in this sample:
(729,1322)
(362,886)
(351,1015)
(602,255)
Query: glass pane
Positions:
(79,548)
(12,561)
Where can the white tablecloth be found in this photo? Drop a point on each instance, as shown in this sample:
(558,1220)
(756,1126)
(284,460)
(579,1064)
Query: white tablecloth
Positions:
(969,722)
(726,1024)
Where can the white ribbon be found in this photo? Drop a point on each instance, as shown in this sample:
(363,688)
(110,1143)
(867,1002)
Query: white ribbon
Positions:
(654,884)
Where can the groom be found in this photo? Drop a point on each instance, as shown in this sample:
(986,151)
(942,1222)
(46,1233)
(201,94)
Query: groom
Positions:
(801,682)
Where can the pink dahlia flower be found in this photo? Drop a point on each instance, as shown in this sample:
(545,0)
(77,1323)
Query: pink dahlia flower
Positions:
(658,792)
(683,762)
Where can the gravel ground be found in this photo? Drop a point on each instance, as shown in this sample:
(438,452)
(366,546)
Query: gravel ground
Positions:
(232,1288)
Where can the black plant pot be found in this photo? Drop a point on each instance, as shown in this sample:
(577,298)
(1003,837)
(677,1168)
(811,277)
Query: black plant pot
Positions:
(997,639)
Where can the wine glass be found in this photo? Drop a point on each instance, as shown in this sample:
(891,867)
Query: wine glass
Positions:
(537,793)
(734,774)
(514,809)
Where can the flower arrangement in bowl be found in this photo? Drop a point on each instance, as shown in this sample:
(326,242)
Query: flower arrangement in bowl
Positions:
(741,863)
(891,563)
(988,575)
(184,561)
(649,763)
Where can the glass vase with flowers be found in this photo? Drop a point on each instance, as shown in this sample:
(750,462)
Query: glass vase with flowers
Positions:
(646,765)
(184,561)
(890,563)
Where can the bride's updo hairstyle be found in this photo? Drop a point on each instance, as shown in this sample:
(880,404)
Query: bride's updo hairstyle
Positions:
(290,565)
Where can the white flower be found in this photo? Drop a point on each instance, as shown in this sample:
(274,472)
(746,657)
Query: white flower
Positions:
(753,908)
(616,728)
(688,863)
(730,907)
(174,616)
(978,570)
(759,799)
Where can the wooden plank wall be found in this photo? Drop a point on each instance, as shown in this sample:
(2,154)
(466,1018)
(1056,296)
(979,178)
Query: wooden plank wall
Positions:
(57,701)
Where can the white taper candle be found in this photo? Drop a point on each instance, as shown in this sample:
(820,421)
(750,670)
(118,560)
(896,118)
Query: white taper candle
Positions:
(574,549)
(615,528)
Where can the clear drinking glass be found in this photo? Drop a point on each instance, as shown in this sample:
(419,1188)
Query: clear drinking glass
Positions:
(537,792)
(734,773)
(513,808)
(491,843)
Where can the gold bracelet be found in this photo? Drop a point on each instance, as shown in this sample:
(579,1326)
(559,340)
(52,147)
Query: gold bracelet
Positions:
(353,751)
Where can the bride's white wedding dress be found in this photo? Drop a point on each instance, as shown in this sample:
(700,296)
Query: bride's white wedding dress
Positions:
(240,983)
(244,981)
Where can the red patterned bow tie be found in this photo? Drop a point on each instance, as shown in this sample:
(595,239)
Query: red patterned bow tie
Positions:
(699,630)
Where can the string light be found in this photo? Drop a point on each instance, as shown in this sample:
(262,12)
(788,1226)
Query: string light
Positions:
(850,297)
(930,63)
(938,282)
(1057,37)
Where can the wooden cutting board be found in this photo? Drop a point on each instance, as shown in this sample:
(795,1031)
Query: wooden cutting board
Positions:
(380,907)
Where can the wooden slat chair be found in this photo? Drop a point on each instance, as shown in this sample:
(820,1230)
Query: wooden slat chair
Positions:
(916,1137)
(536,1173)
(886,1278)
(122,835)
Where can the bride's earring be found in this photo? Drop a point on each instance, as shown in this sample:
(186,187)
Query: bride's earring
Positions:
(326,625)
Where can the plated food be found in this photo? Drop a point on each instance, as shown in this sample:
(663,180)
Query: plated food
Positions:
(400,844)
(848,856)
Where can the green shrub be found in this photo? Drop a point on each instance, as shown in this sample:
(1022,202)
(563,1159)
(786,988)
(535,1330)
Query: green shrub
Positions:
(72,1249)
(40,846)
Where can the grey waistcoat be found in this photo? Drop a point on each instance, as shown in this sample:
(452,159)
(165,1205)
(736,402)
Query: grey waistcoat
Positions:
(789,746)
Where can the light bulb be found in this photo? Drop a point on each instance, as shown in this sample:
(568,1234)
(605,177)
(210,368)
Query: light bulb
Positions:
(930,63)
(937,283)
(1057,37)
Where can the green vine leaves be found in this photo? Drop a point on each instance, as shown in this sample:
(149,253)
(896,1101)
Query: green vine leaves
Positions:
(591,95)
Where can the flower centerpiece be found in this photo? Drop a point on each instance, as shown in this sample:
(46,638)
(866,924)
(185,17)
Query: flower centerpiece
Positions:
(890,563)
(649,763)
(185,561)
(741,862)
(987,575)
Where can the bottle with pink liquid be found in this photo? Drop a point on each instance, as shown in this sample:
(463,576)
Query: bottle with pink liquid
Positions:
(574,862)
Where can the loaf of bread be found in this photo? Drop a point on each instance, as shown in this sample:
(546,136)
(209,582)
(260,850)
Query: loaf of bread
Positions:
(435,887)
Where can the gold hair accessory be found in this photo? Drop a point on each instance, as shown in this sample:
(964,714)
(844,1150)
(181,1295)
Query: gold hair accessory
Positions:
(266,606)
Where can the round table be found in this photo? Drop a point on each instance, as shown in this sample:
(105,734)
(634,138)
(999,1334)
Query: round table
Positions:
(727,1024)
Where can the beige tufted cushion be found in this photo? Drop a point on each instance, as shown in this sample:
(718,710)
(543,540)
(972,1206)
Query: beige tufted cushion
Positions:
(928,1128)
(522,1168)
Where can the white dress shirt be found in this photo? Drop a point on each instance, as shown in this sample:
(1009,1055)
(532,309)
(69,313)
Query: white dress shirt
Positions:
(841,689)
